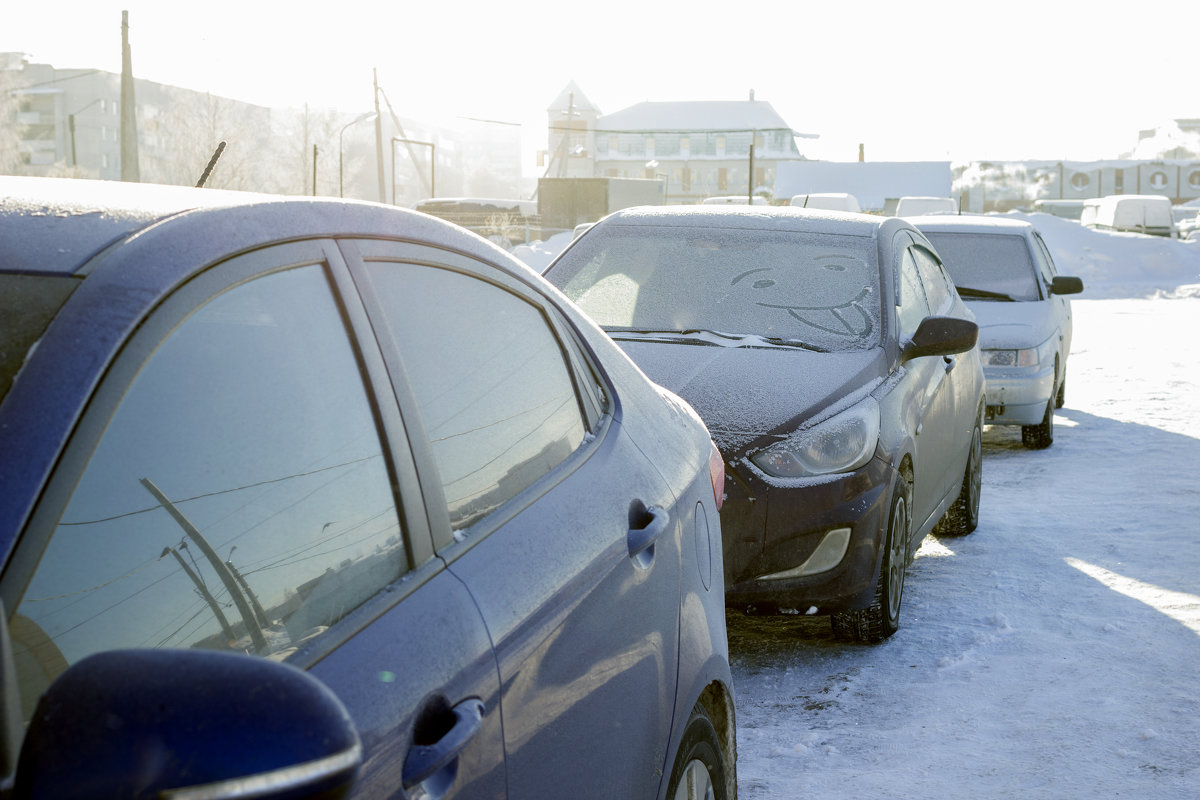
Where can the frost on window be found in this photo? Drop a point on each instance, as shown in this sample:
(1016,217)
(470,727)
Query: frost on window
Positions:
(822,290)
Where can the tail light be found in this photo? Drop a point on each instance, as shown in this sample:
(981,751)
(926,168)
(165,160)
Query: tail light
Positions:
(716,471)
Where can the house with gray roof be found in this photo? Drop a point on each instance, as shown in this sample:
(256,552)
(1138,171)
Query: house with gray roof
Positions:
(698,149)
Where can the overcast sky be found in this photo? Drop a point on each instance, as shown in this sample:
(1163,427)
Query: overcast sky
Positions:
(917,80)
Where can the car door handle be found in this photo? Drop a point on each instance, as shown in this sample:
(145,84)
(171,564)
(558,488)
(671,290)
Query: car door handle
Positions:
(641,539)
(424,761)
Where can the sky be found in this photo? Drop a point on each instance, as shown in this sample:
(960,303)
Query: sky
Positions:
(922,80)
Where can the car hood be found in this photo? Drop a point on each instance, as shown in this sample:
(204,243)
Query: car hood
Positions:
(1013,325)
(747,396)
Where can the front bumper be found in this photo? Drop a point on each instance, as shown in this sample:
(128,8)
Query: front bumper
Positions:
(1017,395)
(783,526)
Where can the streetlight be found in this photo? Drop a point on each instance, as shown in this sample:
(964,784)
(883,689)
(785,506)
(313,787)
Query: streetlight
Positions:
(432,165)
(355,121)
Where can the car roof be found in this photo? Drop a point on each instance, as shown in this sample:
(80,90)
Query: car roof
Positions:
(970,223)
(787,218)
(58,225)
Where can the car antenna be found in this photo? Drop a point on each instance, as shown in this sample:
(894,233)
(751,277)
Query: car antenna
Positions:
(212,162)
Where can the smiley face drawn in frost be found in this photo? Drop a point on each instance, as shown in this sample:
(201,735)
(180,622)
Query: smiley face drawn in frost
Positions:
(832,289)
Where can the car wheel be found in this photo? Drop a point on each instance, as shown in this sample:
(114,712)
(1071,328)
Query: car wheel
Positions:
(699,771)
(1039,437)
(1061,396)
(882,618)
(963,516)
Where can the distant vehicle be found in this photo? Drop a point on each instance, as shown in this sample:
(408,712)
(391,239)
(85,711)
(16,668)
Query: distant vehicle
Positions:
(302,497)
(1137,213)
(733,200)
(504,221)
(1004,272)
(815,345)
(917,206)
(834,201)
(1066,209)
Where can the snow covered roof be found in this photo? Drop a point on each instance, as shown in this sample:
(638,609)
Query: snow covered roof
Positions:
(696,115)
(572,95)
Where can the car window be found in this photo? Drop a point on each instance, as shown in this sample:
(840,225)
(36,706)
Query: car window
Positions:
(812,288)
(496,396)
(911,304)
(938,286)
(991,262)
(1046,262)
(238,499)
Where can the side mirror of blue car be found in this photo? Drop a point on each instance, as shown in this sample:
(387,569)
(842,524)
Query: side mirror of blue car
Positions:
(156,723)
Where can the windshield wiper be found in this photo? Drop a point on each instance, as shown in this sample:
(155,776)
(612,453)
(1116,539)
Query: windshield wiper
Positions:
(966,291)
(704,336)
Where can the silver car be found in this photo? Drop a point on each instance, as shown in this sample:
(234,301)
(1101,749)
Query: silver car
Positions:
(1003,270)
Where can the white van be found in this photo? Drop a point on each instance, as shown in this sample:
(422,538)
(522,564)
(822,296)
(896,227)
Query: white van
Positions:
(834,201)
(912,206)
(1140,213)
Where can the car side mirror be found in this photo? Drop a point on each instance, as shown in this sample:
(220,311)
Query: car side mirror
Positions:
(154,723)
(941,336)
(1063,284)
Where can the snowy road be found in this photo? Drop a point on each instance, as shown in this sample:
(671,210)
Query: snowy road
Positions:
(1053,653)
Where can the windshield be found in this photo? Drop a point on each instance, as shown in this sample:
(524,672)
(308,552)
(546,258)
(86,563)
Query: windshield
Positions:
(783,286)
(990,262)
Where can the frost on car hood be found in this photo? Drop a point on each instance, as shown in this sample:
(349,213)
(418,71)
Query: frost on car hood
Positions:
(750,396)
(1013,325)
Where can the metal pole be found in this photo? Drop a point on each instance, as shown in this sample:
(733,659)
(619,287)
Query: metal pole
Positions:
(314,183)
(204,592)
(379,138)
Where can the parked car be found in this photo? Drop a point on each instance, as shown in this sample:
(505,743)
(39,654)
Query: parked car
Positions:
(917,206)
(734,200)
(307,496)
(837,370)
(1003,270)
(834,201)
(1135,213)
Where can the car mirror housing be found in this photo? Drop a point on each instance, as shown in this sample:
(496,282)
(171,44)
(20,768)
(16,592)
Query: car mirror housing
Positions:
(183,723)
(941,336)
(1065,284)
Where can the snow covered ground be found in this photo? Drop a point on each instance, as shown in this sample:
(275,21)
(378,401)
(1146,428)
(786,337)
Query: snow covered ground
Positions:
(1054,652)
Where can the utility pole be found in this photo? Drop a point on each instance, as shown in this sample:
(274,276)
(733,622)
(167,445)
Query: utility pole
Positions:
(751,181)
(314,188)
(193,533)
(129,143)
(378,137)
(204,592)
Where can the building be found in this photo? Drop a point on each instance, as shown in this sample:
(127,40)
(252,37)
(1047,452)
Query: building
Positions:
(698,149)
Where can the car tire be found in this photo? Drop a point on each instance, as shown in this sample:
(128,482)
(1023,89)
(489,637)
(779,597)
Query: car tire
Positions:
(963,515)
(1039,437)
(1061,397)
(699,772)
(881,619)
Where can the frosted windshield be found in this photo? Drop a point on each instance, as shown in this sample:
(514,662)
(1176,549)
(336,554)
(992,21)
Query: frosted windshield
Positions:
(820,290)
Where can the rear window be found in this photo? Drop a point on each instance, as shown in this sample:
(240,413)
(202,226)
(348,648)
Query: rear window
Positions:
(991,262)
(818,289)
(27,304)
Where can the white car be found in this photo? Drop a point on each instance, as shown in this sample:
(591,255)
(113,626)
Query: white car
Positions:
(1003,271)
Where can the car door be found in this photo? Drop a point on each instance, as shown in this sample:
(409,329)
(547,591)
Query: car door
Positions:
(241,482)
(928,386)
(563,531)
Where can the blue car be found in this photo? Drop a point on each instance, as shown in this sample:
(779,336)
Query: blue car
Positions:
(306,497)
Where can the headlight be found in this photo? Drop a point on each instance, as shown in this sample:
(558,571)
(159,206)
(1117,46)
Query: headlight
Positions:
(1027,357)
(839,444)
